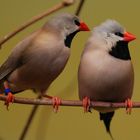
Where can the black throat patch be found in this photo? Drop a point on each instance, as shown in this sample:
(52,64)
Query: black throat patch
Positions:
(121,51)
(69,38)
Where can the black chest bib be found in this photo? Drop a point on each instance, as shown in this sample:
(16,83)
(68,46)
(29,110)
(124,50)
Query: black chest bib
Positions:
(121,51)
(69,38)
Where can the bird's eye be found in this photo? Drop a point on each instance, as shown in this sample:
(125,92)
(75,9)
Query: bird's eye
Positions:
(77,22)
(119,34)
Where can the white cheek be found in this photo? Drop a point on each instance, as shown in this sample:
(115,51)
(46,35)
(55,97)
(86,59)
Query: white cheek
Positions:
(65,31)
(117,38)
(121,38)
(111,41)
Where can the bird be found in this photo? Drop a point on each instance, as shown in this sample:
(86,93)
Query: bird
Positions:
(105,71)
(37,60)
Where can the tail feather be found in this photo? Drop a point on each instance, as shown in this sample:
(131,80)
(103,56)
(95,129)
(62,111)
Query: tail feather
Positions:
(106,118)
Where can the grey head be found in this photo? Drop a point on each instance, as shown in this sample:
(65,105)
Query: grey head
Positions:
(67,25)
(110,26)
(109,32)
(114,37)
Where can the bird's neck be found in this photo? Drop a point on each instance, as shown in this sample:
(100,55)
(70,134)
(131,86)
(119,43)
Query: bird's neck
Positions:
(69,38)
(120,51)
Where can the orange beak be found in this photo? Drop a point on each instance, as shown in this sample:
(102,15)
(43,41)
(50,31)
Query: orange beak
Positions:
(129,37)
(83,27)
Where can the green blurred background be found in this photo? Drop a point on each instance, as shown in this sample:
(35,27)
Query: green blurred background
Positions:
(70,123)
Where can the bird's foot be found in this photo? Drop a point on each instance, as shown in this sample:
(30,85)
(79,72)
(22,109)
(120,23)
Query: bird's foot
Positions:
(8,93)
(56,102)
(47,96)
(129,105)
(10,99)
(86,104)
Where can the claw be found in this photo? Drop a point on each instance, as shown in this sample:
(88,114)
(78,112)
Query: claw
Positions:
(8,93)
(56,102)
(47,96)
(86,104)
(10,99)
(129,105)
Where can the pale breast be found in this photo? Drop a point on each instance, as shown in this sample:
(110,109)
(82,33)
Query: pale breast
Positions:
(104,78)
(42,65)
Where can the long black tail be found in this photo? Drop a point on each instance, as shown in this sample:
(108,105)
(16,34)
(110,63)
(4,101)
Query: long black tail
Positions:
(106,118)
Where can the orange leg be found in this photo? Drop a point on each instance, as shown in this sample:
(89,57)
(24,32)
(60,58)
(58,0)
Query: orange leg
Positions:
(56,102)
(8,93)
(47,96)
(86,104)
(129,105)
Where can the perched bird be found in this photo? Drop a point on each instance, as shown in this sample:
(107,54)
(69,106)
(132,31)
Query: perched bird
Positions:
(37,60)
(106,71)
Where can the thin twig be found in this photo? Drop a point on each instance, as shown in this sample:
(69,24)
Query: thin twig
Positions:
(74,103)
(79,8)
(29,121)
(57,7)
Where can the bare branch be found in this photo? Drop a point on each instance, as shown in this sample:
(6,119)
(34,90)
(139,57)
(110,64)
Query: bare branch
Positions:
(75,103)
(55,8)
(79,8)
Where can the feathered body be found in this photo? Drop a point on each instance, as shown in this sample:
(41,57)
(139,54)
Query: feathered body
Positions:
(37,60)
(106,71)
(102,76)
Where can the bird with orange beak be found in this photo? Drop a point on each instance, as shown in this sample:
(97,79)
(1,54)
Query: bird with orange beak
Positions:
(37,60)
(106,71)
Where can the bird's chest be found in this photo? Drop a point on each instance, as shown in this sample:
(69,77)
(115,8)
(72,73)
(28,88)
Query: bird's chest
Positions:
(45,57)
(109,79)
(41,67)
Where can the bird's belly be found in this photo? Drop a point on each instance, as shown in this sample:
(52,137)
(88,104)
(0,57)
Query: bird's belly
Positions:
(106,80)
(37,75)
